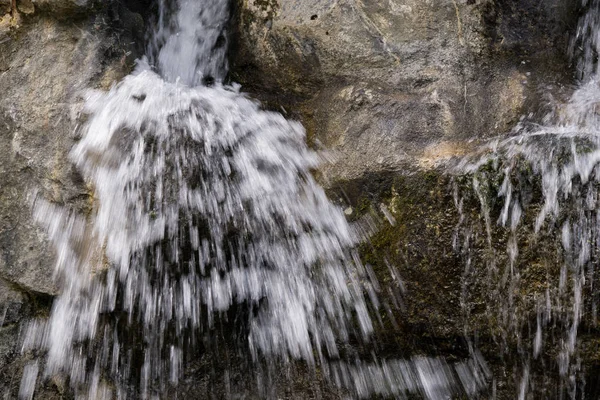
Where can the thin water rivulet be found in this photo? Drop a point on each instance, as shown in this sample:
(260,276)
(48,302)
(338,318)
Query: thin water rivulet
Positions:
(540,184)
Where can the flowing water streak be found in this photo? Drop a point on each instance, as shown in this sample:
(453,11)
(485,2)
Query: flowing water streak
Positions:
(190,41)
(562,157)
(204,204)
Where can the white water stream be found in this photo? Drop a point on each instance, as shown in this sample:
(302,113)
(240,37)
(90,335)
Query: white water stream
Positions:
(204,204)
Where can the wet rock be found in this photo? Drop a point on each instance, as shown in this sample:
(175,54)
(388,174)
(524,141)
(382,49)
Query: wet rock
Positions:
(16,305)
(438,291)
(64,8)
(394,90)
(4,7)
(13,305)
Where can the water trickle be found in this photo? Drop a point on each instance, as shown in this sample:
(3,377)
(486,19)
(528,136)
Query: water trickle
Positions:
(205,207)
(544,181)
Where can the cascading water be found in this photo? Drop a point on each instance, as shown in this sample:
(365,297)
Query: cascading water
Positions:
(546,179)
(204,205)
(203,201)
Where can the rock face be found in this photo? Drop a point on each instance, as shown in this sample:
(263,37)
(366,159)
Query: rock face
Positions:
(400,83)
(390,86)
(394,89)
(38,120)
(45,65)
(50,52)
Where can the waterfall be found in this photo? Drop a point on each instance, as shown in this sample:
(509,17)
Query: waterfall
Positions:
(543,181)
(204,206)
(202,202)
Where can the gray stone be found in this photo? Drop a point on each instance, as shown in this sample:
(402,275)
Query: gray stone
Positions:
(394,84)
(48,58)
(47,68)
(44,69)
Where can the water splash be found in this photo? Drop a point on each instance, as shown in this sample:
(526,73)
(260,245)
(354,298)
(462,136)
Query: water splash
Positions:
(204,205)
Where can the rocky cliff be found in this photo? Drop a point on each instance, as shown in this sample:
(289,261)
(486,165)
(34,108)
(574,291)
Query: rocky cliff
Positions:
(392,89)
(395,92)
(390,85)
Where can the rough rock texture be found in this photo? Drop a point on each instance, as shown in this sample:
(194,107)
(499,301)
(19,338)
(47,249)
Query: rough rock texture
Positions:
(390,86)
(397,83)
(447,291)
(45,66)
(393,89)
(50,52)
